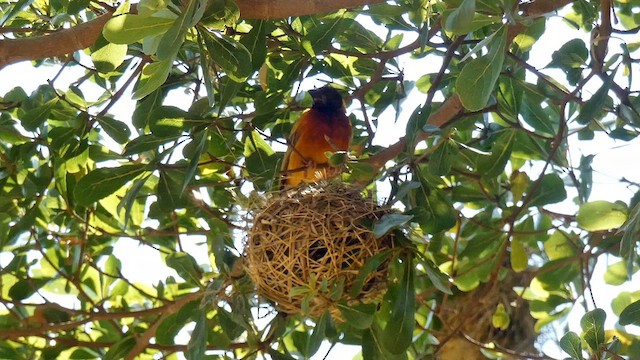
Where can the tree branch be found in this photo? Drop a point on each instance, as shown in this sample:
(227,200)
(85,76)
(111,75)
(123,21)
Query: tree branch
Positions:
(169,308)
(55,44)
(82,36)
(278,9)
(452,106)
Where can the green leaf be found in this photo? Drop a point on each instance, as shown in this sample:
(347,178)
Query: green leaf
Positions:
(129,28)
(586,177)
(624,299)
(572,345)
(555,273)
(17,8)
(198,342)
(318,334)
(168,121)
(372,348)
(172,40)
(631,314)
(185,265)
(477,80)
(631,229)
(360,171)
(441,158)
(232,325)
(229,54)
(388,222)
(360,316)
(618,274)
(228,90)
(171,326)
(221,13)
(25,288)
(518,256)
(275,355)
(460,20)
(106,56)
(494,165)
(321,36)
(200,140)
(439,279)
(34,118)
(500,319)
(571,55)
(100,183)
(370,265)
(601,215)
(145,110)
(559,245)
(551,190)
(592,324)
(144,143)
(118,130)
(170,193)
(121,348)
(592,107)
(398,334)
(260,160)
(509,98)
(255,42)
(152,77)
(534,115)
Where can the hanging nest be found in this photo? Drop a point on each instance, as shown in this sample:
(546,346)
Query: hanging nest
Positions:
(468,321)
(307,245)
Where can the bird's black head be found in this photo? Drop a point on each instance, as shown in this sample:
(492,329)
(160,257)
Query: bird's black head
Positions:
(327,99)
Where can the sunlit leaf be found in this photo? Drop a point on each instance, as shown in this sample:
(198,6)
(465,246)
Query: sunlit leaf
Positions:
(129,28)
(102,182)
(631,314)
(601,215)
(152,77)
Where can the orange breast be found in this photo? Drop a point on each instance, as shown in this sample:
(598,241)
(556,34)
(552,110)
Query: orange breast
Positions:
(313,136)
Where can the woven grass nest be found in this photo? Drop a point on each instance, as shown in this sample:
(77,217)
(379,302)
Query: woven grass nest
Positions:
(306,247)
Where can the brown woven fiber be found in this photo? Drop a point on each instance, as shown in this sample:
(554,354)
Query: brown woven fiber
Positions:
(306,248)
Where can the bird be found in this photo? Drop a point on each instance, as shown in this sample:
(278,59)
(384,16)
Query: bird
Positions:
(325,127)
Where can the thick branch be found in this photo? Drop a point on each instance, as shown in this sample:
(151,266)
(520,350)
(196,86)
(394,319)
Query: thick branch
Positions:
(84,35)
(56,44)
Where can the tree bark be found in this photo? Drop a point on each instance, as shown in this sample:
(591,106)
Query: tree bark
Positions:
(56,44)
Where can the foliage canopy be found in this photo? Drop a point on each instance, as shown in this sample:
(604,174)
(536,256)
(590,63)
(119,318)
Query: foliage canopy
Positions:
(493,173)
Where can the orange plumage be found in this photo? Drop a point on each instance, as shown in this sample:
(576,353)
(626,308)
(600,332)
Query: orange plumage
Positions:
(323,128)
